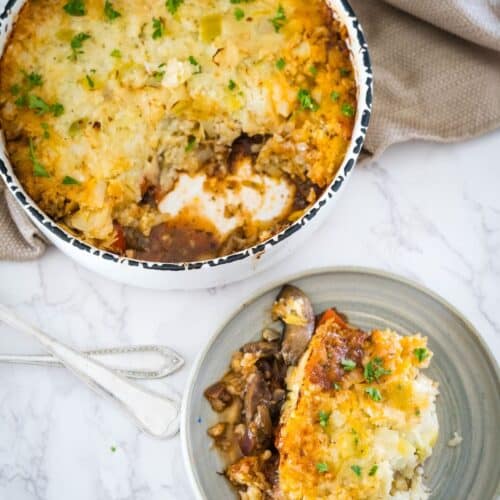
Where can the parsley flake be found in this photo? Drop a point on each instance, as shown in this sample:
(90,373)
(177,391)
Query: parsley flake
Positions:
(306,100)
(313,70)
(278,21)
(116,53)
(374,370)
(70,181)
(77,44)
(421,353)
(344,72)
(57,109)
(45,128)
(348,364)
(336,386)
(190,143)
(323,417)
(334,96)
(158,28)
(33,79)
(158,75)
(322,467)
(356,469)
(280,63)
(173,5)
(373,470)
(239,14)
(75,8)
(38,105)
(347,110)
(196,64)
(15,89)
(374,393)
(38,168)
(231,85)
(110,12)
(90,82)
(113,449)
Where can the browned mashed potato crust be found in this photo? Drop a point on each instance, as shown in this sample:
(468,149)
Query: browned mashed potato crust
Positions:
(113,111)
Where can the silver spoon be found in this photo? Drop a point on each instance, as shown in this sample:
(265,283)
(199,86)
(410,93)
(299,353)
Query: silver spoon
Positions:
(155,414)
(138,361)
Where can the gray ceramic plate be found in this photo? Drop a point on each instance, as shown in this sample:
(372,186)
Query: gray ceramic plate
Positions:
(468,376)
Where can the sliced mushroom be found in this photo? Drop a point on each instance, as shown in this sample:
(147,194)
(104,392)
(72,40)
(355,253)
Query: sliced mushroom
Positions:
(295,310)
(257,393)
(262,348)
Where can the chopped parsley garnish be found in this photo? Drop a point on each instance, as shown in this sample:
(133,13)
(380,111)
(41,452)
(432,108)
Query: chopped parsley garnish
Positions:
(374,370)
(240,1)
(239,14)
(70,181)
(90,82)
(33,79)
(334,96)
(21,101)
(373,470)
(323,417)
(313,70)
(336,386)
(348,364)
(173,5)
(347,110)
(374,393)
(344,72)
(417,412)
(158,28)
(38,168)
(421,353)
(38,105)
(196,64)
(15,89)
(45,128)
(116,53)
(57,109)
(280,63)
(356,469)
(306,100)
(278,21)
(231,85)
(191,143)
(322,467)
(158,75)
(75,8)
(113,449)
(109,12)
(77,44)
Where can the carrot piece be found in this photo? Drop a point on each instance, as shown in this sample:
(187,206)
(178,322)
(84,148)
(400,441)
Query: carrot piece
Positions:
(332,314)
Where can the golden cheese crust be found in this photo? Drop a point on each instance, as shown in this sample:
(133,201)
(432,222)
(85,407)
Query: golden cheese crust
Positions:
(360,418)
(106,105)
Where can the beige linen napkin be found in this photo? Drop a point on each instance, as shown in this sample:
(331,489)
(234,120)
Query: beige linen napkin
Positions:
(436,70)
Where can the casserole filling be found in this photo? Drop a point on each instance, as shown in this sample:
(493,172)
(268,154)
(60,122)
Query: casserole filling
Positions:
(176,130)
(348,416)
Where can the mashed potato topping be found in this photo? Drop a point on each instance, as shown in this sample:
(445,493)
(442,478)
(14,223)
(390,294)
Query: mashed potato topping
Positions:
(180,129)
(364,434)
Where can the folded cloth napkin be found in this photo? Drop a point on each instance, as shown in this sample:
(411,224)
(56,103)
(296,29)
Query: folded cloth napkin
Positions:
(436,68)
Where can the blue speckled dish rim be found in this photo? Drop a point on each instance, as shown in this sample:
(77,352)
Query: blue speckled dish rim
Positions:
(185,436)
(365,91)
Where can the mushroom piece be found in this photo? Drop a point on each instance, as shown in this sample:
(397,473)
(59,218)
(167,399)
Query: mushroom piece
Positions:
(295,310)
(257,393)
(218,396)
(262,348)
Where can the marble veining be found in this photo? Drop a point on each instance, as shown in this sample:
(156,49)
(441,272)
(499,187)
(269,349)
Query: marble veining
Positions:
(425,211)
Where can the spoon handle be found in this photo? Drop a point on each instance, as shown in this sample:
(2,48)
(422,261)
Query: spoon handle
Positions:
(138,361)
(154,413)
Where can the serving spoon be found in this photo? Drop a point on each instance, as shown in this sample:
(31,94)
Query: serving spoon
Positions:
(137,361)
(154,413)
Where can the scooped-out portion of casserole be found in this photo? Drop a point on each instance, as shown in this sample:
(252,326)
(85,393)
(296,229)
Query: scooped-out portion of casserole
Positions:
(326,411)
(176,130)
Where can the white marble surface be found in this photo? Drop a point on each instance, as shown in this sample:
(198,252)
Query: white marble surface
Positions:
(428,212)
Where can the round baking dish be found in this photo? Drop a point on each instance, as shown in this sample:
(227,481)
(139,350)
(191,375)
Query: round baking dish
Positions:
(220,270)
